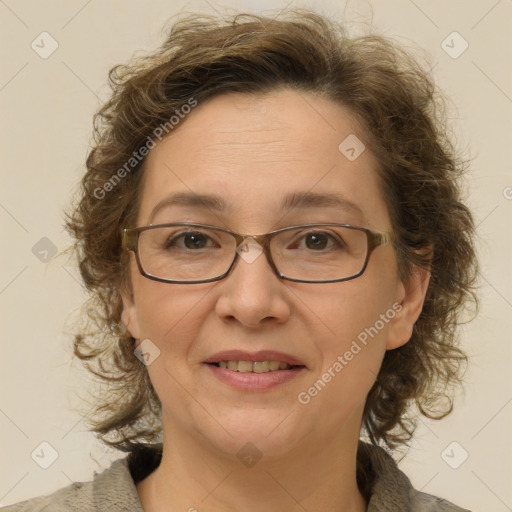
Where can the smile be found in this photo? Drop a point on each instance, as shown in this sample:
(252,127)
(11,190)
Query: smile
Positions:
(254,366)
(254,371)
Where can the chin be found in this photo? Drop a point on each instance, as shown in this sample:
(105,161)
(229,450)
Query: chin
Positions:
(262,431)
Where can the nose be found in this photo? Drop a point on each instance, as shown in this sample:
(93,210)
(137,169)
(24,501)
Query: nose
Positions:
(252,293)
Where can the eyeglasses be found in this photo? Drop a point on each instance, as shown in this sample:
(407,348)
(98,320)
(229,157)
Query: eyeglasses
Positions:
(197,253)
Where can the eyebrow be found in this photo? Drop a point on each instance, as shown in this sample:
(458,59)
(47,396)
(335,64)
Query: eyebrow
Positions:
(293,201)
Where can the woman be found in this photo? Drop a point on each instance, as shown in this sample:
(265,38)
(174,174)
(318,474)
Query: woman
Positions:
(271,230)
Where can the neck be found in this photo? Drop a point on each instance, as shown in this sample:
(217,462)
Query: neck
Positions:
(313,476)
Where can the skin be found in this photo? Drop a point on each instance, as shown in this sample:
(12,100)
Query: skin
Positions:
(253,150)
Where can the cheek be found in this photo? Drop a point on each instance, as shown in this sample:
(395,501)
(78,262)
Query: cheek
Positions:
(171,318)
(340,313)
(169,315)
(352,320)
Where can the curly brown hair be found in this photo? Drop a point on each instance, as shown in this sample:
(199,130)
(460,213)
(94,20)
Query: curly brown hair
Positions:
(404,117)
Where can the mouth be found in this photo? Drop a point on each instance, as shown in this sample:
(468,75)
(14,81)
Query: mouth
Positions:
(257,371)
(258,362)
(255,366)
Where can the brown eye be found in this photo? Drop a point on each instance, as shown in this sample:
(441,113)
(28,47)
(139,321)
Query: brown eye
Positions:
(191,240)
(318,241)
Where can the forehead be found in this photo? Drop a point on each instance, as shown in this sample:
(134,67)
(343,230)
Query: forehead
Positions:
(259,157)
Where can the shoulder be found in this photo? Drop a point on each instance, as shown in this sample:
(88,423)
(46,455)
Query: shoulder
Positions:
(113,490)
(391,490)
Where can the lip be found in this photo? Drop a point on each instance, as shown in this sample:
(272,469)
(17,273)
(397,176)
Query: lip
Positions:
(262,355)
(248,381)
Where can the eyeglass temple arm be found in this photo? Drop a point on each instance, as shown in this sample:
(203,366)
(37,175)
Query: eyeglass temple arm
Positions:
(130,239)
(381,239)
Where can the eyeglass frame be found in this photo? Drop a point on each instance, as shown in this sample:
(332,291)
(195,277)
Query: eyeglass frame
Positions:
(130,242)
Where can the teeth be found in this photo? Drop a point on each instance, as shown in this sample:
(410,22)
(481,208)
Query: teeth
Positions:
(274,365)
(260,366)
(256,366)
(245,366)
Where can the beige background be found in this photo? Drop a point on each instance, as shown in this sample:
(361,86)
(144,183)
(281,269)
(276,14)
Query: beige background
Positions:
(47,106)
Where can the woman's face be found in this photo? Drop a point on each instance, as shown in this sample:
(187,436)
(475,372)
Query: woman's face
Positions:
(252,152)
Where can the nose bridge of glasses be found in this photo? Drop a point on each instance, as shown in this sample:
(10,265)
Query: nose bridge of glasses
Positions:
(243,241)
(250,247)
(242,238)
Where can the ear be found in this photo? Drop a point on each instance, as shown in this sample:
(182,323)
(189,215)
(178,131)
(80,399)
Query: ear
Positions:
(410,297)
(129,314)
